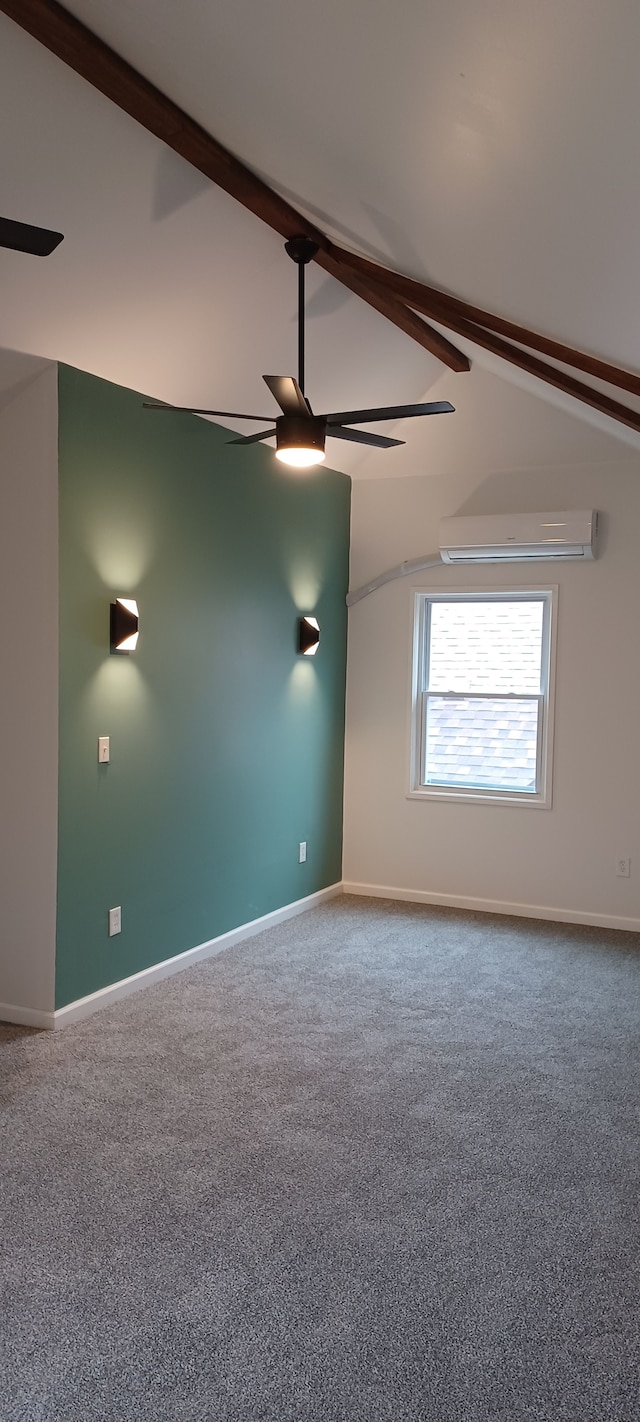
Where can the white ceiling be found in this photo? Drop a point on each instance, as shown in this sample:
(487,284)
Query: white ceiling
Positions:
(489,146)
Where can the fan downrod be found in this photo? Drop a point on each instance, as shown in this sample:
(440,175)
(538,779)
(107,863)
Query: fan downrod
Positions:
(302,250)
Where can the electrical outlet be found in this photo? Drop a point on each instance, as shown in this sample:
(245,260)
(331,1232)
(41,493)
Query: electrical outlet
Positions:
(302,852)
(115,921)
(623,868)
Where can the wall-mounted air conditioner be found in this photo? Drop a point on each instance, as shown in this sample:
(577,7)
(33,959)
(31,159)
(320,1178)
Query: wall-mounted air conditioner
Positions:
(503,538)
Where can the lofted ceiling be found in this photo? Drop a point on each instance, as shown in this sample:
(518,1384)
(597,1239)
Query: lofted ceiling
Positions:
(488,147)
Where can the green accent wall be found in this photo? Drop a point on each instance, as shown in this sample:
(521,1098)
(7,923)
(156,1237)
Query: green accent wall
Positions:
(226,746)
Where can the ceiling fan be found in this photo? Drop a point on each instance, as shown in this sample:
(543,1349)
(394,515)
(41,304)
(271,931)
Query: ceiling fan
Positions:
(300,435)
(22,237)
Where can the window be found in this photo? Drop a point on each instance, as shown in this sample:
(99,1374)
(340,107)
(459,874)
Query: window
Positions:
(482,704)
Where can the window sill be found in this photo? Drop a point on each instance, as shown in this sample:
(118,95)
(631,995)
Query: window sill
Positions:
(481,797)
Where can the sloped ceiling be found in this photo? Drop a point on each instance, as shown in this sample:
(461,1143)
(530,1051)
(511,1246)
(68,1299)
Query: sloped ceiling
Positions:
(487,146)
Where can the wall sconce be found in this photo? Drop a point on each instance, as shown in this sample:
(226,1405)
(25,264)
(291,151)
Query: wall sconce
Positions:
(308,635)
(123,625)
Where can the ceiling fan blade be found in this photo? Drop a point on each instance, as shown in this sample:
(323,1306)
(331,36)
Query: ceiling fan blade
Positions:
(288,394)
(22,237)
(252,439)
(359,437)
(195,410)
(389,412)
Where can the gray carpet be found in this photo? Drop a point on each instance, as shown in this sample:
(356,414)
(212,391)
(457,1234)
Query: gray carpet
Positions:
(378,1164)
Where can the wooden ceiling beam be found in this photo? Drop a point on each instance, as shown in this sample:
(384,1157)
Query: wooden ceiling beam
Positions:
(71,41)
(66,37)
(396,311)
(397,297)
(533,366)
(439,305)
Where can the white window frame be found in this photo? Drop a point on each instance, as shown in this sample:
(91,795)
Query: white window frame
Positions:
(542,798)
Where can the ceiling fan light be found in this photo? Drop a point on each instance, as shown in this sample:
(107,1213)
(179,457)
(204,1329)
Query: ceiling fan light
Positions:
(299,457)
(300,440)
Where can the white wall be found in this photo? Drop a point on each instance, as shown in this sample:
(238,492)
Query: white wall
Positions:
(558,862)
(28,686)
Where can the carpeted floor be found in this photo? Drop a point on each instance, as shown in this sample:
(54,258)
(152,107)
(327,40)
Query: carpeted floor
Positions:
(379,1164)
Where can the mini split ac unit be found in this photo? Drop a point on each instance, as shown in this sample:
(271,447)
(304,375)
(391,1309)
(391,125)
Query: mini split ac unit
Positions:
(503,538)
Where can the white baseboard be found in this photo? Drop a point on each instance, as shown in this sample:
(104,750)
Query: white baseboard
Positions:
(84,1006)
(461,901)
(26,1016)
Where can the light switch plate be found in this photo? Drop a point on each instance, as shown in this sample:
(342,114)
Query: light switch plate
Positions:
(115,921)
(103,750)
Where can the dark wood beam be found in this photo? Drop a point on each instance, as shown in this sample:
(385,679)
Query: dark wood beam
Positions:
(94,61)
(439,305)
(558,378)
(397,297)
(396,311)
